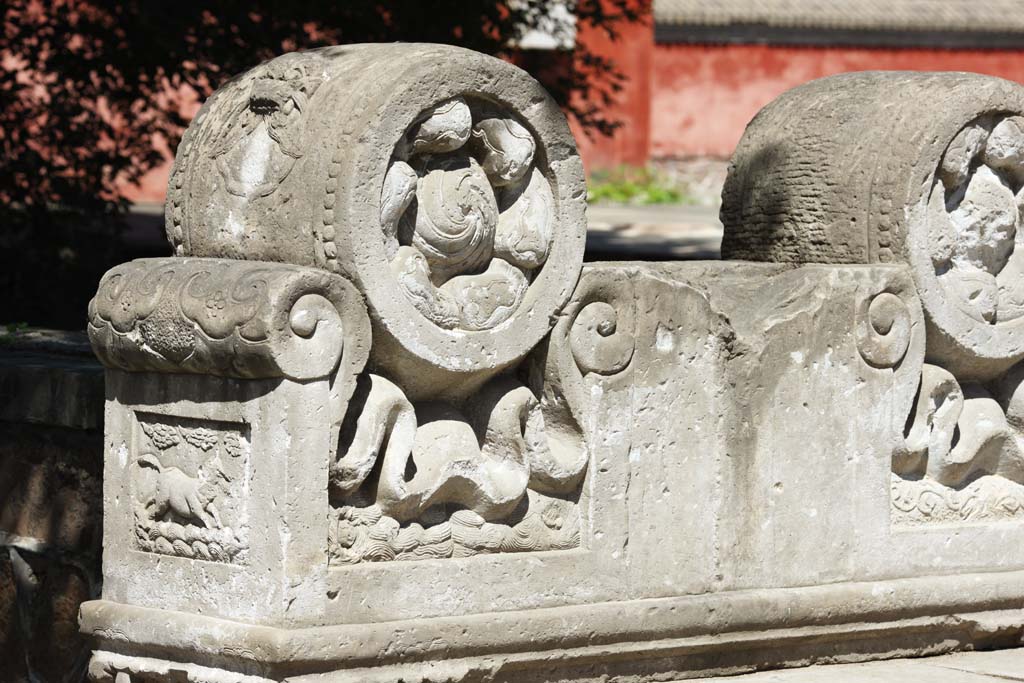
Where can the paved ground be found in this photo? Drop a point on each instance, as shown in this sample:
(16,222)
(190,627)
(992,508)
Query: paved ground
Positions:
(660,232)
(965,667)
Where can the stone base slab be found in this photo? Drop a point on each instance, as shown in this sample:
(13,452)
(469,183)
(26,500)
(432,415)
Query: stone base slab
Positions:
(961,667)
(684,637)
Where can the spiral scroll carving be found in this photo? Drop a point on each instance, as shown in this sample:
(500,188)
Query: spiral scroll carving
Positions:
(598,345)
(230,318)
(452,208)
(454,205)
(884,327)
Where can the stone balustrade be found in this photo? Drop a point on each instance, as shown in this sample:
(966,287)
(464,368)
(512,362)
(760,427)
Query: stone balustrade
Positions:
(377,421)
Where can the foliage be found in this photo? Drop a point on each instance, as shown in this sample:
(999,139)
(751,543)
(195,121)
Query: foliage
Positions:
(94,92)
(633,185)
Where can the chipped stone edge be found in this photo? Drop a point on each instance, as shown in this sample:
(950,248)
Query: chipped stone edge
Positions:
(575,635)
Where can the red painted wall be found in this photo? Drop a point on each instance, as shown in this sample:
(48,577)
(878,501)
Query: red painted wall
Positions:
(695,100)
(633,55)
(703,96)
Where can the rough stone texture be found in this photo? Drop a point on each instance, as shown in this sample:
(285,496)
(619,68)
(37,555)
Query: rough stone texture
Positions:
(390,430)
(946,202)
(51,388)
(668,439)
(50,499)
(865,168)
(973,667)
(335,158)
(228,318)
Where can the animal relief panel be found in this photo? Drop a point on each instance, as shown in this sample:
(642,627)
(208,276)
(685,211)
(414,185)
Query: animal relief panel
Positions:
(467,217)
(189,483)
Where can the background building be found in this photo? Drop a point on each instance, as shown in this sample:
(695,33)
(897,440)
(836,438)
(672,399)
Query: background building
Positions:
(699,70)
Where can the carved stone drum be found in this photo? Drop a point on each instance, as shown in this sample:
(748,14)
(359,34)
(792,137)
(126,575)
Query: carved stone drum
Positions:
(866,168)
(454,204)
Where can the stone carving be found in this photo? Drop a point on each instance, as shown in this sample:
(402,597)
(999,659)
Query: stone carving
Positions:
(189,489)
(246,152)
(238,318)
(974,216)
(466,224)
(450,481)
(473,180)
(500,473)
(110,667)
(957,230)
(443,128)
(986,499)
(963,459)
(261,142)
(365,534)
(884,329)
(375,420)
(478,196)
(505,149)
(938,191)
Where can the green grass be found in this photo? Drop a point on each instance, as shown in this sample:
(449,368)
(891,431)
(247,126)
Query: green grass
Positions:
(633,185)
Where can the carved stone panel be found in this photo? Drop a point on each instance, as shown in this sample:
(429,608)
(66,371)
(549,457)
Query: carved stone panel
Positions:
(962,460)
(189,482)
(879,174)
(501,472)
(422,446)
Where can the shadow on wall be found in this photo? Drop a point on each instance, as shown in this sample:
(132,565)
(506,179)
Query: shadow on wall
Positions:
(50,541)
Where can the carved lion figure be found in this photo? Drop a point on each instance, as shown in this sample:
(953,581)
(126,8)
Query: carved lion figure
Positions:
(177,494)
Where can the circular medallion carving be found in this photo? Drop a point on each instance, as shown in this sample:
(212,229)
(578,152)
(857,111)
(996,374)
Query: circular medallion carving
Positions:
(462,192)
(444,184)
(975,219)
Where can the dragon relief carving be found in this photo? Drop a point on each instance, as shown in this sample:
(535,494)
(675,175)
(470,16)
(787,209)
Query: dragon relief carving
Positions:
(468,217)
(189,488)
(962,459)
(499,472)
(432,479)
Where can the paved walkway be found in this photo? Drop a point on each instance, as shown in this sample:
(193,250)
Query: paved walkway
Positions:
(965,667)
(660,232)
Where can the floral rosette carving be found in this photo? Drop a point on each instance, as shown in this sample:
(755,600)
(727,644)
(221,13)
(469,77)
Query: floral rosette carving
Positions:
(467,215)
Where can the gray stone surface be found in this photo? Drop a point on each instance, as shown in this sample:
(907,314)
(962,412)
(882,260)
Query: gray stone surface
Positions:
(968,667)
(252,180)
(816,180)
(377,421)
(807,184)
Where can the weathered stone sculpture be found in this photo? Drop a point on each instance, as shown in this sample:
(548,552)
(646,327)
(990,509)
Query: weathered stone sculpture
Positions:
(375,421)
(942,192)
